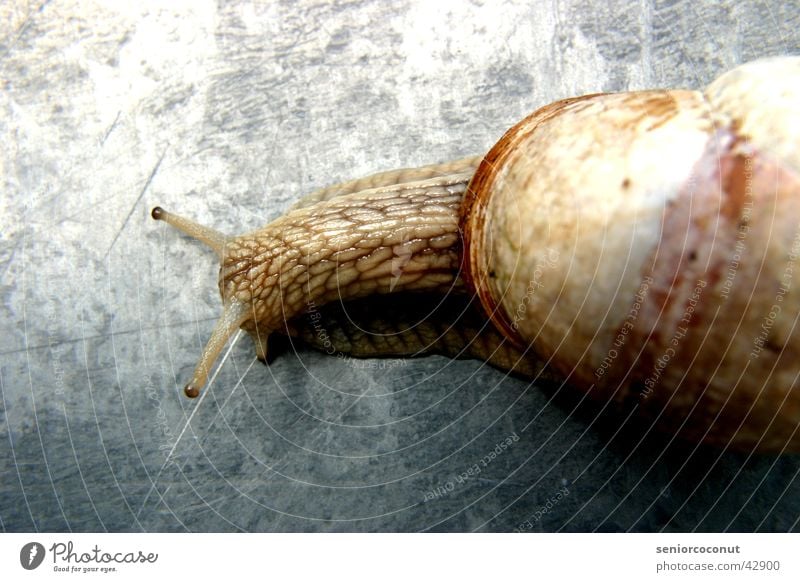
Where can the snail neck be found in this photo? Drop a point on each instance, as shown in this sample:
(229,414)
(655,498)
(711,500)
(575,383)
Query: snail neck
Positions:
(393,178)
(382,240)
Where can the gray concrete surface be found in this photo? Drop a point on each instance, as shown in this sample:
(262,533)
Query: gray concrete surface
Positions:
(228,112)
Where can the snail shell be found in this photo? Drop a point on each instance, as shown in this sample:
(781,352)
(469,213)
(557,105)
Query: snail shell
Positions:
(646,245)
(643,245)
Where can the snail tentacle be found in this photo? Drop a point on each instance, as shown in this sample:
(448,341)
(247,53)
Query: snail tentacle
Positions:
(213,239)
(233,315)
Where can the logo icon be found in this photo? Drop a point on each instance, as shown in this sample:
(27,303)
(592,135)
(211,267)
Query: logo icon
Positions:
(31,555)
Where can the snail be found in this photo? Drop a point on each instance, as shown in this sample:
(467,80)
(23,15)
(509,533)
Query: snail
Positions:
(642,246)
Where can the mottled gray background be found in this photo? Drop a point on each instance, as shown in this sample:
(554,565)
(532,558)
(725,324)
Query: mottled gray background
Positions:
(228,112)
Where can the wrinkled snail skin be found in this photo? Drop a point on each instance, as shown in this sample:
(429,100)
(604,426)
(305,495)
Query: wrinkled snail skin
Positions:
(644,245)
(394,178)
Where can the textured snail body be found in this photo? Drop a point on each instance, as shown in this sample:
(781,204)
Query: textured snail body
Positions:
(643,245)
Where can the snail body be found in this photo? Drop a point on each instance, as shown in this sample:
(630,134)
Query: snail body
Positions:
(642,245)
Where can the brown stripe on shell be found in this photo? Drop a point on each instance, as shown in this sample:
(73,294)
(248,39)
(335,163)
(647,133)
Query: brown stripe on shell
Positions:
(725,261)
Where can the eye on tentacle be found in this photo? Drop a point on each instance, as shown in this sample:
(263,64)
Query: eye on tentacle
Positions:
(234,313)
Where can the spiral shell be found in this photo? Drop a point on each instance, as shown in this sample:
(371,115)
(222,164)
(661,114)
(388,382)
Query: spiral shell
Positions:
(647,245)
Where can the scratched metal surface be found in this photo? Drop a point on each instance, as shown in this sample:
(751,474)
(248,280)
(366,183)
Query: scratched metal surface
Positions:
(228,112)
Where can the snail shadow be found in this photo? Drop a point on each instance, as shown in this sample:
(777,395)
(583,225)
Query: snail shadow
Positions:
(637,474)
(668,481)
